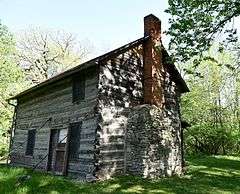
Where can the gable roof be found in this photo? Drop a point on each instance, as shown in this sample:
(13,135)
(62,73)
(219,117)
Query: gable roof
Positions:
(94,62)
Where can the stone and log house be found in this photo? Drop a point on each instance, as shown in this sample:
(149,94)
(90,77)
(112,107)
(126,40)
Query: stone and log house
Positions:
(118,113)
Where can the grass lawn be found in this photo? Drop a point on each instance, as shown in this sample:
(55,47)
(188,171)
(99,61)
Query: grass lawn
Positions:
(216,174)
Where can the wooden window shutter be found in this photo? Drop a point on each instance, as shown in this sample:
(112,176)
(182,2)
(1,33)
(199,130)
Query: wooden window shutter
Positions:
(74,140)
(78,88)
(30,142)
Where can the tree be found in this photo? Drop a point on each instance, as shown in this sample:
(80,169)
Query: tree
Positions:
(11,81)
(211,107)
(195,24)
(43,54)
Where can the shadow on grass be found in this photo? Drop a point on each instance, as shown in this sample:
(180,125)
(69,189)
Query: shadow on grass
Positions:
(205,175)
(223,162)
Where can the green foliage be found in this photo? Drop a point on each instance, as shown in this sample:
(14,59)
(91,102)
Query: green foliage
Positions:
(10,79)
(205,175)
(195,24)
(212,106)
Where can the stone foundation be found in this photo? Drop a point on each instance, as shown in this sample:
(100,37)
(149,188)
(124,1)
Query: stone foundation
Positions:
(153,144)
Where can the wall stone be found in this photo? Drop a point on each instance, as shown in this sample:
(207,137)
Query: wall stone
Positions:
(153,145)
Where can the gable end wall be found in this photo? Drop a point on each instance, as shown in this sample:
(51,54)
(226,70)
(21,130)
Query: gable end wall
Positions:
(120,101)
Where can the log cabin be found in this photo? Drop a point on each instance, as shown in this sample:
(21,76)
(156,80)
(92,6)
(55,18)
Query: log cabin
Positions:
(116,114)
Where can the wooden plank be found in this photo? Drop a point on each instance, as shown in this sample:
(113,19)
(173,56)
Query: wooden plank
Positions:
(65,167)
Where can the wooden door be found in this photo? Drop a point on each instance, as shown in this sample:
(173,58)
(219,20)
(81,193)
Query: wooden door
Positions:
(60,156)
(57,160)
(51,150)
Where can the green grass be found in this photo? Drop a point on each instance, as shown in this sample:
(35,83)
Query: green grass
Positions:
(216,174)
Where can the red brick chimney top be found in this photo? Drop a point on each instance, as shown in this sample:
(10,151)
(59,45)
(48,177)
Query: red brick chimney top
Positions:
(152,25)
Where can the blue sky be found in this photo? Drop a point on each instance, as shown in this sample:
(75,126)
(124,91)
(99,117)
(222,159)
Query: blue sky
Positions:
(107,24)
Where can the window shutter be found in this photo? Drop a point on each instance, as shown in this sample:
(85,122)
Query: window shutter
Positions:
(74,141)
(31,142)
(78,88)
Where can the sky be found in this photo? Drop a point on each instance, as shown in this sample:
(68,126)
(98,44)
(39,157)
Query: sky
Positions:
(105,24)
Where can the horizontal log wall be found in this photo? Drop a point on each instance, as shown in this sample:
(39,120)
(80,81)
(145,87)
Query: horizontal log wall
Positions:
(55,101)
(120,88)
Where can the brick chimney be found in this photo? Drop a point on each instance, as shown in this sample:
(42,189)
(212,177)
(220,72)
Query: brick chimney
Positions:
(152,59)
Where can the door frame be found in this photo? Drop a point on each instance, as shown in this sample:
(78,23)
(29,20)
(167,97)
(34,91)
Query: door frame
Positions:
(52,151)
(50,166)
(65,165)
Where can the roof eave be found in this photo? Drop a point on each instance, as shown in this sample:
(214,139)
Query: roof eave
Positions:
(82,66)
(177,77)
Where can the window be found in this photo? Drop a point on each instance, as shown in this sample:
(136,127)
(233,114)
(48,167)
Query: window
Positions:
(62,136)
(74,141)
(78,88)
(30,142)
